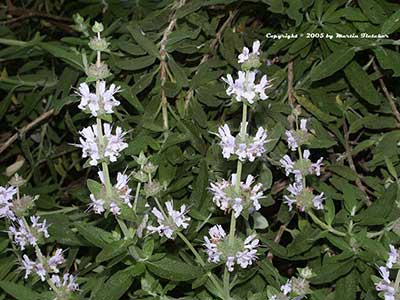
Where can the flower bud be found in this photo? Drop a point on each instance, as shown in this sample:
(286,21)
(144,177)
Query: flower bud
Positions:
(97,27)
(306,272)
(97,44)
(22,205)
(98,72)
(17,181)
(140,176)
(141,159)
(152,189)
(300,286)
(150,168)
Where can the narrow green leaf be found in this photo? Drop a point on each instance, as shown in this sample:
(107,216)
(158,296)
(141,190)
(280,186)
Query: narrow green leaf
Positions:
(392,24)
(333,63)
(19,291)
(143,41)
(173,269)
(360,81)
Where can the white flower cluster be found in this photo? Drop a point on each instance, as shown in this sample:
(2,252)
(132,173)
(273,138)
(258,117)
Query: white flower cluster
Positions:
(299,137)
(245,88)
(301,195)
(226,197)
(25,234)
(6,204)
(28,235)
(51,265)
(121,194)
(301,167)
(285,289)
(246,55)
(100,146)
(385,286)
(101,103)
(218,248)
(67,284)
(244,147)
(169,222)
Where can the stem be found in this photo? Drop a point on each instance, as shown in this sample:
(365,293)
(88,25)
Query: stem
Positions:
(227,287)
(41,259)
(201,262)
(323,225)
(397,282)
(136,196)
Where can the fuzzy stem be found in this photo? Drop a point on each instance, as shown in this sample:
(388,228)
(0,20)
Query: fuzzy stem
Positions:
(200,261)
(323,225)
(397,282)
(41,259)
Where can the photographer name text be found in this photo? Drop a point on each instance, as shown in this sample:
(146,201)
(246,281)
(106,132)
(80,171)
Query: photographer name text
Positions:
(323,35)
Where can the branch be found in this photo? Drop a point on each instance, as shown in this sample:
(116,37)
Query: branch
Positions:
(352,165)
(26,128)
(163,63)
(386,92)
(213,46)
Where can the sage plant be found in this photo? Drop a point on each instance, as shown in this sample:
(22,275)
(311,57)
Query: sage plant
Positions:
(28,232)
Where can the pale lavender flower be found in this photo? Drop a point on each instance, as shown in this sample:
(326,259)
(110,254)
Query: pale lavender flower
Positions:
(385,285)
(40,271)
(226,197)
(24,236)
(217,234)
(39,227)
(287,287)
(103,103)
(301,167)
(394,257)
(246,257)
(245,88)
(56,260)
(68,283)
(218,248)
(111,144)
(297,137)
(170,222)
(6,197)
(303,198)
(227,141)
(115,210)
(230,263)
(28,265)
(245,55)
(123,188)
(97,205)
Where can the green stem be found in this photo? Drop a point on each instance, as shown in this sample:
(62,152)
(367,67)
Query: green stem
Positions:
(323,225)
(397,282)
(41,259)
(136,196)
(227,287)
(201,262)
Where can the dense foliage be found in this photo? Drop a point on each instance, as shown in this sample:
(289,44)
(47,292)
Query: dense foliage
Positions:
(168,57)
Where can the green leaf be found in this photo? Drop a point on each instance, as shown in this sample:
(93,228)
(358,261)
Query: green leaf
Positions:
(19,291)
(95,235)
(392,24)
(133,64)
(333,63)
(388,59)
(308,105)
(116,286)
(173,269)
(374,12)
(346,287)
(361,83)
(143,41)
(67,56)
(260,222)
